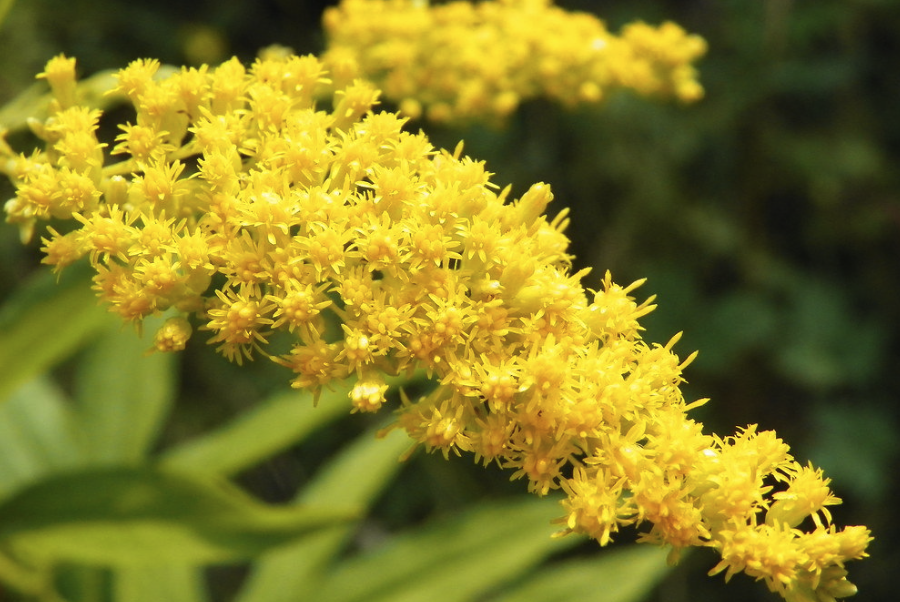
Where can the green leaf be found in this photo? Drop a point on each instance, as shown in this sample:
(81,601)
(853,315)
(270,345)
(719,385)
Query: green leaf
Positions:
(454,560)
(125,516)
(38,435)
(626,574)
(355,477)
(159,582)
(44,322)
(360,472)
(286,419)
(124,393)
(268,428)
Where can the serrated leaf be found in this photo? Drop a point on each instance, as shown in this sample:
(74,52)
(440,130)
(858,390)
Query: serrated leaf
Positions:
(44,322)
(126,516)
(625,574)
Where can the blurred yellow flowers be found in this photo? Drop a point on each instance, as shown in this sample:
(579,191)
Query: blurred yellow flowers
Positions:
(463,61)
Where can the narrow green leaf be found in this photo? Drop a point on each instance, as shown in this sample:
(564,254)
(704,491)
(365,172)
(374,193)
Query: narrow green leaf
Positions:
(626,574)
(158,583)
(38,435)
(44,322)
(268,428)
(286,419)
(123,393)
(355,477)
(360,472)
(125,516)
(453,561)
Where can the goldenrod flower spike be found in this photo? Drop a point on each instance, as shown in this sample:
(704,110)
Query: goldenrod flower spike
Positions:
(241,207)
(463,61)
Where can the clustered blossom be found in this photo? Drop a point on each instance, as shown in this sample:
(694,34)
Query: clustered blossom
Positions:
(461,61)
(239,206)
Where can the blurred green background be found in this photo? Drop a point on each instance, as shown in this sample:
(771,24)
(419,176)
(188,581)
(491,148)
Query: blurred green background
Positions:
(766,218)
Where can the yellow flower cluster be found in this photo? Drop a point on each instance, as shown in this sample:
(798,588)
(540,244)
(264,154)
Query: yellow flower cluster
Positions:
(235,202)
(463,61)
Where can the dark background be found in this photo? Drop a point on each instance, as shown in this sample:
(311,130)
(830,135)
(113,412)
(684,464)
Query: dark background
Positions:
(766,218)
